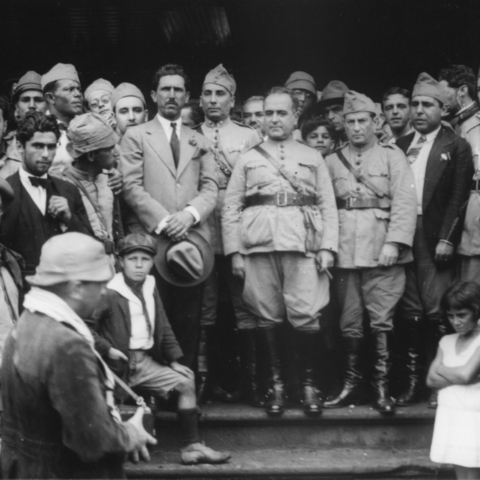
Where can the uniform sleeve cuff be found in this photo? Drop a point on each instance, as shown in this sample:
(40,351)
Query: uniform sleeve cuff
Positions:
(194,212)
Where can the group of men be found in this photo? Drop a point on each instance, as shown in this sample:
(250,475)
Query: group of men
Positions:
(314,192)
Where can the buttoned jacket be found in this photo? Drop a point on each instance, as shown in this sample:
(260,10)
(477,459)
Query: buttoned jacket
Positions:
(229,140)
(154,188)
(271,228)
(364,232)
(448,178)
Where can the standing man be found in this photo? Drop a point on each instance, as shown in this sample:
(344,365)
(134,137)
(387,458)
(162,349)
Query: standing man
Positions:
(44,206)
(129,107)
(171,187)
(229,140)
(59,419)
(376,200)
(63,93)
(331,108)
(280,226)
(396,108)
(253,114)
(441,163)
(459,83)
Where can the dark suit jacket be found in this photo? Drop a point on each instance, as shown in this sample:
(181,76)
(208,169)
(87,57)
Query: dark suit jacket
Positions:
(448,179)
(56,423)
(11,215)
(111,326)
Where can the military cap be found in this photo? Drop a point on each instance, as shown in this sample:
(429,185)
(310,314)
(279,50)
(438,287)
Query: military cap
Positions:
(89,132)
(334,92)
(220,76)
(61,71)
(302,80)
(99,84)
(428,86)
(72,256)
(30,81)
(126,90)
(357,102)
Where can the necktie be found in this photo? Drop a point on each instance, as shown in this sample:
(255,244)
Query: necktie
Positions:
(413,152)
(175,144)
(62,127)
(39,182)
(138,292)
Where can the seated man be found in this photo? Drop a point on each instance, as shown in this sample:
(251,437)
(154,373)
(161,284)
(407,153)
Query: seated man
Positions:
(133,334)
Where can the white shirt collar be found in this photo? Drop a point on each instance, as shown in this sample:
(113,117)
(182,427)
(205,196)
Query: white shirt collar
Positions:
(167,125)
(25,175)
(429,136)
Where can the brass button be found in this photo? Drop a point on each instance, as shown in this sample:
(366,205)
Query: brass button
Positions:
(358,189)
(358,162)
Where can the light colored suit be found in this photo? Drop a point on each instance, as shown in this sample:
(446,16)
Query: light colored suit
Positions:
(152,186)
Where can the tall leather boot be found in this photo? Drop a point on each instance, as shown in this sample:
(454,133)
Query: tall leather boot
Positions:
(414,338)
(352,391)
(248,363)
(383,403)
(307,345)
(437,330)
(207,386)
(275,399)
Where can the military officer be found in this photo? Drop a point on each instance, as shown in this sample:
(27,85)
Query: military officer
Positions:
(280,226)
(228,139)
(375,194)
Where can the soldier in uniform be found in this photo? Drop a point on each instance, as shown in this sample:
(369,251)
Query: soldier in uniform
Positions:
(377,211)
(229,140)
(459,83)
(280,226)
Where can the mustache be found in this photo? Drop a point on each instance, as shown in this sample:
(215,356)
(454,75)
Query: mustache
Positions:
(172,101)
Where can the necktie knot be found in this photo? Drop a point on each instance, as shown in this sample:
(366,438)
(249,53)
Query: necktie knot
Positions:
(174,125)
(39,182)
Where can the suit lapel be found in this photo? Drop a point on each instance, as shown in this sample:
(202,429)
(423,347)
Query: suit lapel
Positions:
(158,140)
(435,166)
(186,150)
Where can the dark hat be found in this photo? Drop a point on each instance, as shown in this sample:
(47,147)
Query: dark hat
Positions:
(334,92)
(185,263)
(137,241)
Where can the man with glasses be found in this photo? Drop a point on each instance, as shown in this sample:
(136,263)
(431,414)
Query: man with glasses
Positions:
(98,99)
(303,88)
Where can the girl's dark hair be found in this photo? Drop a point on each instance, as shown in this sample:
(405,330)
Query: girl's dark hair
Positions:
(462,295)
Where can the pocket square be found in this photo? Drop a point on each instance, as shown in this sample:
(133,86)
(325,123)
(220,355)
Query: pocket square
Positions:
(445,156)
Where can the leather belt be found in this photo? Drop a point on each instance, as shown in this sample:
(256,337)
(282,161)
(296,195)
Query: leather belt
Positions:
(352,203)
(280,199)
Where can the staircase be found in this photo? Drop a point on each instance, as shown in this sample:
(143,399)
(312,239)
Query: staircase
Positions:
(349,443)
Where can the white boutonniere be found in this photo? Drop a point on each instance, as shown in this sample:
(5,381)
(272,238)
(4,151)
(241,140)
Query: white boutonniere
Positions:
(192,142)
(445,157)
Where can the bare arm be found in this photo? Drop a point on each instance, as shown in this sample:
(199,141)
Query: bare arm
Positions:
(434,379)
(465,374)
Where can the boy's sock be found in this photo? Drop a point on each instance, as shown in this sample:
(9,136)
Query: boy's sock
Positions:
(189,425)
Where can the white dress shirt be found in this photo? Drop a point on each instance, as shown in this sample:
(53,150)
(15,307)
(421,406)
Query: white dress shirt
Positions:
(419,166)
(38,194)
(167,128)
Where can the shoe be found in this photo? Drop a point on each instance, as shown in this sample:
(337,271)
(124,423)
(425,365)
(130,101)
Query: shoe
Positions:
(199,453)
(433,400)
(276,396)
(413,392)
(383,403)
(352,392)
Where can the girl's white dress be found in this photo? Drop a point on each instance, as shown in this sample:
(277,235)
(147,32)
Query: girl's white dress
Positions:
(456,435)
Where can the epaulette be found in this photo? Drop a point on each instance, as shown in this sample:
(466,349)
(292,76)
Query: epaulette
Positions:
(304,143)
(242,124)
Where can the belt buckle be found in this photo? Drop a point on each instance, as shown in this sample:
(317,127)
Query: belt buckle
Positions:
(282,199)
(350,201)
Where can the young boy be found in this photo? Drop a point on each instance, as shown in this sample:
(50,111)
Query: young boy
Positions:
(134,336)
(320,134)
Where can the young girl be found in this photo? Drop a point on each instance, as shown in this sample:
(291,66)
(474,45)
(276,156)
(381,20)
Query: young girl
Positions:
(455,371)
(319,134)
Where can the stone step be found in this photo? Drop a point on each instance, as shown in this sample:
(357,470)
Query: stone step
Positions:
(237,427)
(273,464)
